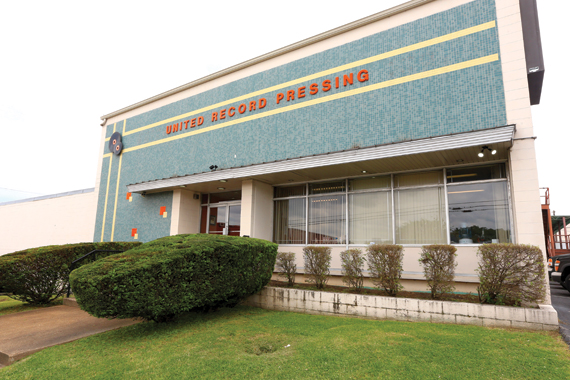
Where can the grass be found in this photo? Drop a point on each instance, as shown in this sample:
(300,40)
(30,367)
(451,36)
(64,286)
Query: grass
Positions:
(10,306)
(251,343)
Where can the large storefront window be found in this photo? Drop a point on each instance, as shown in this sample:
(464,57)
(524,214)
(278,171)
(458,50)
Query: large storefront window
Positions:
(327,218)
(289,221)
(370,218)
(407,208)
(420,216)
(479,213)
(370,210)
(419,206)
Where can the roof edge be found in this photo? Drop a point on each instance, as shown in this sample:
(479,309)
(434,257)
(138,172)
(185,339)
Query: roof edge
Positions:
(284,50)
(50,196)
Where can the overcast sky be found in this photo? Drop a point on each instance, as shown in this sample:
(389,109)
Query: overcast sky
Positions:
(66,63)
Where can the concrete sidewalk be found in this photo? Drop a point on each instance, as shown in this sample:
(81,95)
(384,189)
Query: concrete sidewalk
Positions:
(24,333)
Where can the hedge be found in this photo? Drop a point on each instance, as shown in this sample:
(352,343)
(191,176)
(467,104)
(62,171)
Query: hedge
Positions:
(511,274)
(385,262)
(168,276)
(40,275)
(317,265)
(438,261)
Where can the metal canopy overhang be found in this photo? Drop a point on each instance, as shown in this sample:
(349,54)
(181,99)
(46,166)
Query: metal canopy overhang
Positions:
(454,149)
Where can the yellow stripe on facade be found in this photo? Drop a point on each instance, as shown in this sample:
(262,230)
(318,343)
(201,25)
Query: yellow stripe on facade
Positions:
(340,95)
(107,192)
(117,188)
(379,57)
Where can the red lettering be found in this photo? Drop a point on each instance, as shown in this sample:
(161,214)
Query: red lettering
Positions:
(252,105)
(231,111)
(290,95)
(262,103)
(242,108)
(200,120)
(222,114)
(168,129)
(313,89)
(193,123)
(326,85)
(336,82)
(301,92)
(348,79)
(214,116)
(280,97)
(175,127)
(186,124)
(362,76)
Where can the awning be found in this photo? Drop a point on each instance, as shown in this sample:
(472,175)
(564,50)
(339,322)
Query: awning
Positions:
(300,168)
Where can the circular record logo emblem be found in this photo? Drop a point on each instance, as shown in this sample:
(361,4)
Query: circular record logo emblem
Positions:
(115,143)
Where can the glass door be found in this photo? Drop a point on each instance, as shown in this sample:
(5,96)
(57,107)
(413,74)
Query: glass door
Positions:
(224,219)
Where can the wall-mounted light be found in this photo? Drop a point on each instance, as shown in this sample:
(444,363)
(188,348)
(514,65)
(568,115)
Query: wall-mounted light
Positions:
(213,167)
(143,194)
(482,153)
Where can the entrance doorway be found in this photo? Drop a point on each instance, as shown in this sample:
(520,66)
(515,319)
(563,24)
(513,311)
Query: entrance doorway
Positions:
(224,219)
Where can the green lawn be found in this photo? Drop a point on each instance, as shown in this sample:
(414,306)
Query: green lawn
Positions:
(251,343)
(9,305)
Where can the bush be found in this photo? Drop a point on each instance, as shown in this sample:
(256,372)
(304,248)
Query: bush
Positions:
(317,265)
(385,265)
(510,274)
(439,265)
(286,267)
(168,276)
(352,268)
(40,275)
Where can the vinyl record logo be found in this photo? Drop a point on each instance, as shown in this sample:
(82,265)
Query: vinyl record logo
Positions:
(115,143)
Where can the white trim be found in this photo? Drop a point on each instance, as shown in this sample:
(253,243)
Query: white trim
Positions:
(432,144)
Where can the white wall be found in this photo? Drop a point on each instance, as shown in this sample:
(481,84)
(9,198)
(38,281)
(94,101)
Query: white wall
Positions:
(60,219)
(257,210)
(185,213)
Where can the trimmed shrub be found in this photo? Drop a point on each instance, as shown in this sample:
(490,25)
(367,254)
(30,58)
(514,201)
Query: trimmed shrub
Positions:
(510,274)
(438,261)
(286,267)
(317,265)
(352,268)
(175,274)
(40,275)
(385,265)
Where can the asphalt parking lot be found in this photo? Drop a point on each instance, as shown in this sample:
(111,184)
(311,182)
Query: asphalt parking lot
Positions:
(561,302)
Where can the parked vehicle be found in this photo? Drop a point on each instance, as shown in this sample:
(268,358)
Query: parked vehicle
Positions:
(561,270)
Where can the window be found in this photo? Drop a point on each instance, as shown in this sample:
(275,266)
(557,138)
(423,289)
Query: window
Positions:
(327,218)
(370,217)
(407,208)
(289,221)
(419,206)
(479,213)
(370,210)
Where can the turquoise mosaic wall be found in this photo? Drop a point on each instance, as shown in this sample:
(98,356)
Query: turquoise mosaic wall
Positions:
(460,100)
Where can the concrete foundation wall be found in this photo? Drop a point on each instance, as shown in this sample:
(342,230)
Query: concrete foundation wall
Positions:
(404,309)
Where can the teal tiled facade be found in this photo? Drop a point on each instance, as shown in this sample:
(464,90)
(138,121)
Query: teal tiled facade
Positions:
(462,100)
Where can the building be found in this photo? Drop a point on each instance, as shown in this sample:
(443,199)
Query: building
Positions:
(410,126)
